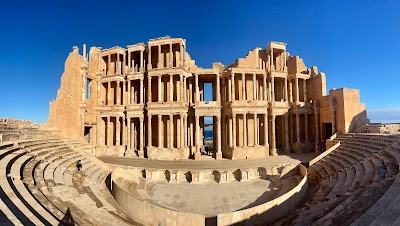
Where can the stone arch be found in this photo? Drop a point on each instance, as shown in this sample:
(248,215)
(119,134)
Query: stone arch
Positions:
(167,175)
(237,174)
(188,176)
(217,176)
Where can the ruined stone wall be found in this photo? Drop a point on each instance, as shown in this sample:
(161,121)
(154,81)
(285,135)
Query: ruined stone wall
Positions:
(64,110)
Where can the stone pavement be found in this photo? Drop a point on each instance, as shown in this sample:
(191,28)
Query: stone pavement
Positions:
(210,164)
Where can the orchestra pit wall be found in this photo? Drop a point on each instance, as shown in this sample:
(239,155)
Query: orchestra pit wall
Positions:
(145,101)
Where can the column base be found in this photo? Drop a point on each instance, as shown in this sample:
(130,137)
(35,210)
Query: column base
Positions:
(273,152)
(141,154)
(197,155)
(218,155)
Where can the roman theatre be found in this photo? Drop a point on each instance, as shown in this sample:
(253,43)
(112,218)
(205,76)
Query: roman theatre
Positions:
(140,135)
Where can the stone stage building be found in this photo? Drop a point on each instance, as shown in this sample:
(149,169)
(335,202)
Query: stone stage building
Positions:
(150,101)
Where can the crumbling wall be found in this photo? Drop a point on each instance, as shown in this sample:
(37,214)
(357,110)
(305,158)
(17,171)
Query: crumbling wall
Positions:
(64,110)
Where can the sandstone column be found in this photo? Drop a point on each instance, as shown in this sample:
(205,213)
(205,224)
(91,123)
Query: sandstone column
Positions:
(109,93)
(109,132)
(232,87)
(171,132)
(182,131)
(159,89)
(286,90)
(141,90)
(244,86)
(254,87)
(234,129)
(171,87)
(129,92)
(185,96)
(255,130)
(123,131)
(219,152)
(266,143)
(287,147)
(141,152)
(265,86)
(118,131)
(123,102)
(180,55)
(149,60)
(149,140)
(273,137)
(118,87)
(159,64)
(108,65)
(218,92)
(297,90)
(272,89)
(245,130)
(184,58)
(197,88)
(197,154)
(118,66)
(316,127)
(180,89)
(171,59)
(230,131)
(161,132)
(178,131)
(149,89)
(141,61)
(305,90)
(129,134)
(123,64)
(290,91)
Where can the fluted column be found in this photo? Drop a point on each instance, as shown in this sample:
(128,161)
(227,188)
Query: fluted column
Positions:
(123,64)
(197,154)
(159,64)
(254,87)
(109,131)
(298,128)
(123,131)
(109,93)
(141,61)
(234,129)
(171,59)
(149,60)
(149,138)
(118,66)
(180,89)
(180,55)
(255,130)
(316,127)
(290,91)
(245,130)
(266,143)
(244,86)
(232,87)
(117,131)
(141,91)
(159,89)
(161,132)
(297,90)
(182,131)
(273,89)
(197,88)
(286,90)
(218,92)
(265,86)
(149,89)
(273,137)
(123,102)
(230,121)
(129,136)
(171,132)
(219,150)
(141,152)
(171,87)
(118,87)
(185,128)
(178,131)
(129,92)
(305,90)
(287,147)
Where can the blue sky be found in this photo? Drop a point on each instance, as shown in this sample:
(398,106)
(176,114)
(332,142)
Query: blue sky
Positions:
(355,43)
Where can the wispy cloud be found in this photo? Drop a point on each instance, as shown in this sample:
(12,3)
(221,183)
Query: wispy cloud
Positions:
(384,115)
